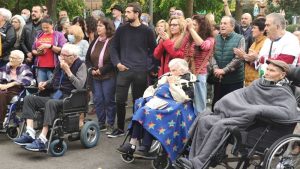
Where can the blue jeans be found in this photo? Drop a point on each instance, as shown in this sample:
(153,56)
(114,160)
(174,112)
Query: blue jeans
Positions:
(200,94)
(104,100)
(43,74)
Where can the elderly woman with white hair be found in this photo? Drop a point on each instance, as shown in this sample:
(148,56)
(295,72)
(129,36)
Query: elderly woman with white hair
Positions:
(165,112)
(8,35)
(18,23)
(13,77)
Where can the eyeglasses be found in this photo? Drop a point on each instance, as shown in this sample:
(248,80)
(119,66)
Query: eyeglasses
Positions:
(14,58)
(174,24)
(65,55)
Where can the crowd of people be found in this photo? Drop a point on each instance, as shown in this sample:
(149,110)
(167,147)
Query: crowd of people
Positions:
(110,56)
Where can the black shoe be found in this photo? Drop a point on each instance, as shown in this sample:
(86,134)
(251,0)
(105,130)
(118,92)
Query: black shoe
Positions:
(126,149)
(116,133)
(145,155)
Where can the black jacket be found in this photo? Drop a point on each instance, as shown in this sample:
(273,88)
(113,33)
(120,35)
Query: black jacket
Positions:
(8,37)
(28,36)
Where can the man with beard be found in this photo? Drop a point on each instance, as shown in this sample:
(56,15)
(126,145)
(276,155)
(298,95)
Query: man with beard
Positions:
(31,29)
(131,52)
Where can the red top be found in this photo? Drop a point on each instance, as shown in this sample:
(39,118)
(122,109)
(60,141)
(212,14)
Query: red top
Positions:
(165,52)
(47,59)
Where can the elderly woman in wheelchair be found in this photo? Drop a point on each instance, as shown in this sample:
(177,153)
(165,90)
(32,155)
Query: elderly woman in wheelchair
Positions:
(165,112)
(13,77)
(265,112)
(70,74)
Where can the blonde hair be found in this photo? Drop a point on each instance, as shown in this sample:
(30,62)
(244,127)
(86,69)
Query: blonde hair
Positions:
(166,26)
(77,32)
(181,23)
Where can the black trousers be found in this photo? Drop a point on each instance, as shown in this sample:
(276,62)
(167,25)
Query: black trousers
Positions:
(138,82)
(221,90)
(140,133)
(33,103)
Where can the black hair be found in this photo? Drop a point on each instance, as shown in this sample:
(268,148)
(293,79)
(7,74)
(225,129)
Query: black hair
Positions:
(47,20)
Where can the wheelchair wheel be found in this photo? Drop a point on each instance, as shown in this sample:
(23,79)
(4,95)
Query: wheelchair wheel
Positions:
(127,158)
(284,153)
(57,148)
(89,134)
(162,161)
(155,146)
(12,132)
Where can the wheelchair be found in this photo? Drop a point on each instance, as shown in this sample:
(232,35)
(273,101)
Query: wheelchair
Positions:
(12,121)
(159,158)
(67,123)
(265,144)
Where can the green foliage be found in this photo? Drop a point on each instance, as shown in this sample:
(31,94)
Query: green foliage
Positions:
(292,28)
(74,7)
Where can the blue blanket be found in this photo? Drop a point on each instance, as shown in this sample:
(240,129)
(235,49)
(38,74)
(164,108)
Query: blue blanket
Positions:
(169,125)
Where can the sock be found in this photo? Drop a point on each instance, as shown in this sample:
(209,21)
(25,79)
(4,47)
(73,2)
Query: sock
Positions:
(133,142)
(31,132)
(43,138)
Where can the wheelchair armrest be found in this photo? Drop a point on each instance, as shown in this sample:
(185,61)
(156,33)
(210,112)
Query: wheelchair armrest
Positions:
(76,102)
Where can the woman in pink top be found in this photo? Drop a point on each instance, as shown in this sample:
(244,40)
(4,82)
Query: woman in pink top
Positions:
(164,52)
(198,45)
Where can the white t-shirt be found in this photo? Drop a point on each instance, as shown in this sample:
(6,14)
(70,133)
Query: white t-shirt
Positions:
(288,44)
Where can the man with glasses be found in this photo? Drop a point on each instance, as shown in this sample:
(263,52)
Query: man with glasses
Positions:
(70,74)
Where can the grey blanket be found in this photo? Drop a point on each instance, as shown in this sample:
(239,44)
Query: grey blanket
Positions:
(240,108)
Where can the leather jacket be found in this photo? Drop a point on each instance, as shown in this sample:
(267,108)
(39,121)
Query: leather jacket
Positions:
(8,37)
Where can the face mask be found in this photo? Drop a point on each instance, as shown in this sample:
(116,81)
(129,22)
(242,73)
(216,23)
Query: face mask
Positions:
(25,17)
(71,38)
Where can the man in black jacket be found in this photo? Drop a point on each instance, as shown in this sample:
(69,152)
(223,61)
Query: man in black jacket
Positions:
(30,31)
(8,35)
(131,52)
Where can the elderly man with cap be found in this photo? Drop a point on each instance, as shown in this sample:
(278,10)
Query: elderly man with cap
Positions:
(117,11)
(269,97)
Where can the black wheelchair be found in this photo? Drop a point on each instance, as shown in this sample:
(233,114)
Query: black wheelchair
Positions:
(266,144)
(67,123)
(159,158)
(12,121)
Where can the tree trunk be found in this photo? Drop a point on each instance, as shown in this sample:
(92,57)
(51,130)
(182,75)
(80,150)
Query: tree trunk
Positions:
(51,5)
(238,10)
(189,8)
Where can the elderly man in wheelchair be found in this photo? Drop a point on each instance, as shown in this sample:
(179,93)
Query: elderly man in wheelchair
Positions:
(269,100)
(13,77)
(165,113)
(69,74)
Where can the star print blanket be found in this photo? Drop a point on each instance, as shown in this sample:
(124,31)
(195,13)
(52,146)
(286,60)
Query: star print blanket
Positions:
(169,124)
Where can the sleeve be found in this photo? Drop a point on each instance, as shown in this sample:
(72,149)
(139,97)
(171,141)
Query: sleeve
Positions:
(22,41)
(61,40)
(115,48)
(79,79)
(26,76)
(85,46)
(178,93)
(158,51)
(207,44)
(10,38)
(169,47)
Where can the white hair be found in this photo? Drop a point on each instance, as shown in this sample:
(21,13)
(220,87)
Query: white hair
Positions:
(179,64)
(5,13)
(22,24)
(18,53)
(71,49)
(278,19)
